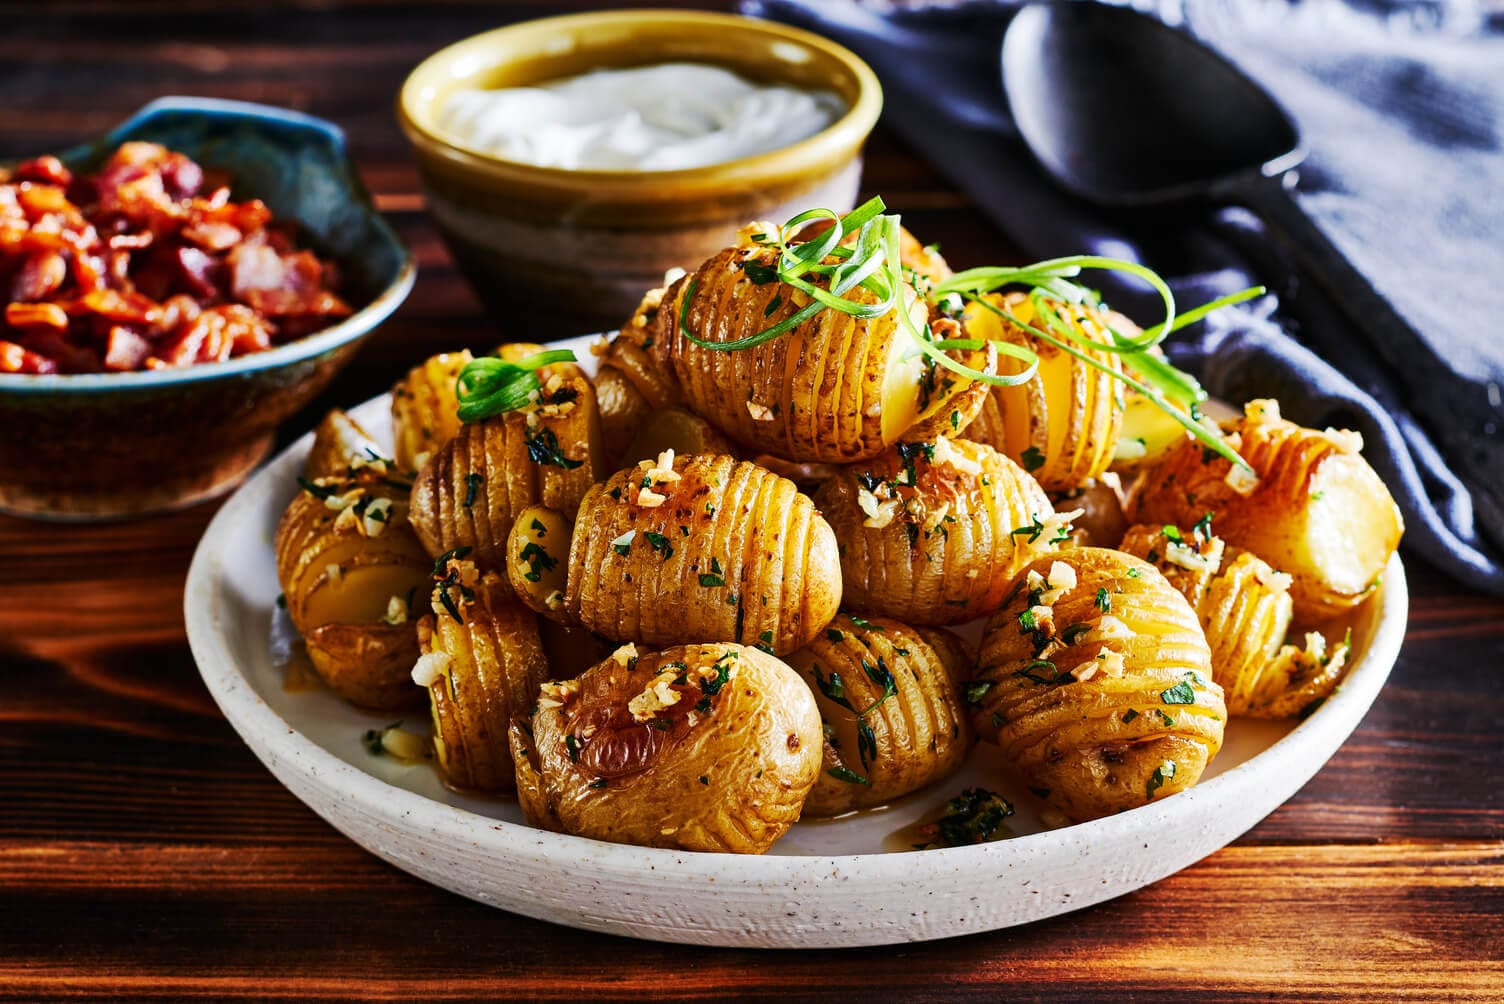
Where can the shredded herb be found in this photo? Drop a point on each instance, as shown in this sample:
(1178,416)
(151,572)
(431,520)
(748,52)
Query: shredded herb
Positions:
(1032,459)
(977,690)
(543,449)
(623,545)
(1104,601)
(841,773)
(1129,716)
(1162,773)
(1181,693)
(659,543)
(714,577)
(472,485)
(538,561)
(572,747)
(974,817)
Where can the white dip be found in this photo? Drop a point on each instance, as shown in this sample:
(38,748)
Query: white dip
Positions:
(651,118)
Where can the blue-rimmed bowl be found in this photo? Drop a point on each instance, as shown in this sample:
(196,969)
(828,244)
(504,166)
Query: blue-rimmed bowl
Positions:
(105,445)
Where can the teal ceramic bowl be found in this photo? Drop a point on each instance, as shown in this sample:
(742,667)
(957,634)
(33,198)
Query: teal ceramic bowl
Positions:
(107,445)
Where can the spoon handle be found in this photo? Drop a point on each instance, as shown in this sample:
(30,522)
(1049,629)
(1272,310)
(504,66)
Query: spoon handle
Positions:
(1389,333)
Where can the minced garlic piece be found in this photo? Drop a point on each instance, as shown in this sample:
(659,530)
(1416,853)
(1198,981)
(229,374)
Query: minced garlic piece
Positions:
(422,458)
(1061,580)
(670,276)
(374,520)
(1054,529)
(554,600)
(948,455)
(1108,628)
(1044,619)
(1110,661)
(650,499)
(1346,440)
(1264,409)
(396,611)
(759,412)
(879,514)
(552,694)
(1241,480)
(346,521)
(429,667)
(334,572)
(624,654)
(1180,553)
(655,697)
(1280,582)
(662,471)
(600,346)
(1130,448)
(1086,670)
(345,500)
(402,744)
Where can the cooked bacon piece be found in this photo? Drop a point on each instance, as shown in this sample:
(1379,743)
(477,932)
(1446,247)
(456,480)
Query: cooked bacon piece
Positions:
(147,264)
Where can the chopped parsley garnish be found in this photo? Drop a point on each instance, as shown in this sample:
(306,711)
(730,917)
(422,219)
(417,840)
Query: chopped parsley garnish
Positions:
(1075,631)
(371,740)
(572,747)
(722,667)
(974,817)
(846,774)
(1030,532)
(866,742)
(704,779)
(623,545)
(834,635)
(977,690)
(538,561)
(1104,601)
(1026,622)
(765,642)
(1172,533)
(1181,693)
(880,675)
(659,543)
(543,448)
(834,688)
(1161,774)
(760,274)
(1203,527)
(599,782)
(318,491)
(538,527)
(447,579)
(1032,459)
(1164,717)
(472,486)
(714,577)
(861,623)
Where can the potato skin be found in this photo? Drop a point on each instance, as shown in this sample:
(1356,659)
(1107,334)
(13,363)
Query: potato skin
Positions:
(631,384)
(677,429)
(1099,745)
(492,665)
(881,744)
(1063,425)
(503,464)
(733,553)
(340,579)
(697,747)
(833,389)
(338,443)
(424,408)
(949,553)
(1318,511)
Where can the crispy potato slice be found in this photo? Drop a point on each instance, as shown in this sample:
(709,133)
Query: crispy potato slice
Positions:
(424,408)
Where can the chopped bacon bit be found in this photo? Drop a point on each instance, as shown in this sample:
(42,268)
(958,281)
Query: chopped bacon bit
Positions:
(147,264)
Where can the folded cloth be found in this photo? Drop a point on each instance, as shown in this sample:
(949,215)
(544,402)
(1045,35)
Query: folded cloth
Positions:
(1404,175)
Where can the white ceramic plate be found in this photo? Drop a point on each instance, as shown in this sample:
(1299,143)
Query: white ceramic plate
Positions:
(851,881)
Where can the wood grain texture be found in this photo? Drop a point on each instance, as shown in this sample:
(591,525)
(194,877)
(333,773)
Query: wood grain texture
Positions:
(146,854)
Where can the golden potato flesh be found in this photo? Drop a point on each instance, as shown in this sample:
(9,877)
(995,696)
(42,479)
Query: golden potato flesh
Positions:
(696,548)
(1063,425)
(834,389)
(349,565)
(698,747)
(339,446)
(538,559)
(934,533)
(474,487)
(1095,679)
(424,408)
(1314,508)
(891,710)
(480,669)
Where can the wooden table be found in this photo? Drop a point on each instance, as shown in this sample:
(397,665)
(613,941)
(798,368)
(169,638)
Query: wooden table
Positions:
(145,853)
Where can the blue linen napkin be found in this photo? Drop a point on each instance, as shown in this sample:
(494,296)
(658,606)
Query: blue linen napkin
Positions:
(1405,175)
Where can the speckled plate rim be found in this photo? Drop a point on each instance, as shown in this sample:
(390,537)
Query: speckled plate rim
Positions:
(772,900)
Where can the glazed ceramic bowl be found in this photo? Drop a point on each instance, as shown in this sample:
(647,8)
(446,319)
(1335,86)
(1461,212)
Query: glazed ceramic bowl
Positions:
(105,445)
(556,251)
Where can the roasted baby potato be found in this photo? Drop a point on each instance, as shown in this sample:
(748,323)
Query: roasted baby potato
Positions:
(476,484)
(890,707)
(424,406)
(630,384)
(349,565)
(699,747)
(1102,522)
(1095,679)
(677,429)
(537,560)
(482,663)
(834,388)
(1313,507)
(699,547)
(1063,425)
(339,446)
(934,533)
(1245,609)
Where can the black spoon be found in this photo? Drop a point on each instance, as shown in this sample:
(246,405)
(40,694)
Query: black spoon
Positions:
(1125,111)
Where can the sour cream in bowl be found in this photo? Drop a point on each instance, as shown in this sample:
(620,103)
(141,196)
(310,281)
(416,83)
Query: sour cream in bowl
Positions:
(570,162)
(667,117)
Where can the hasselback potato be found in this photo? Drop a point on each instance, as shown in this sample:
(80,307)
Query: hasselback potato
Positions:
(349,565)
(934,533)
(835,388)
(677,429)
(1095,679)
(1313,508)
(423,408)
(700,747)
(691,548)
(482,663)
(1245,609)
(890,707)
(340,445)
(631,384)
(1062,426)
(472,489)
